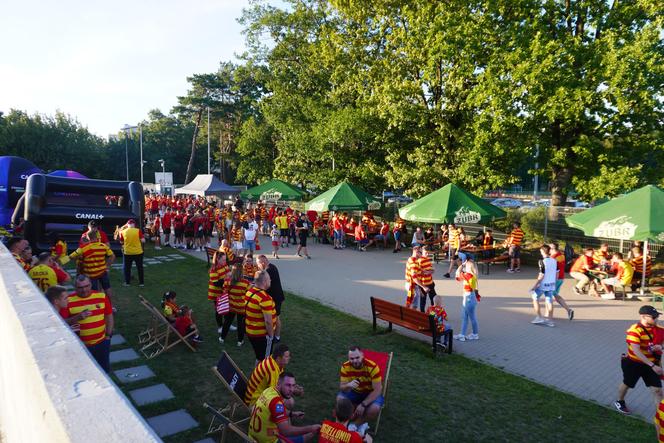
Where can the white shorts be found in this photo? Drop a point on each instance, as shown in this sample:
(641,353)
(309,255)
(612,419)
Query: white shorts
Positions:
(238,245)
(613,281)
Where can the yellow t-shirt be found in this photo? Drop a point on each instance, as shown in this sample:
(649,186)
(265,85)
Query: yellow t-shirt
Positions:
(43,276)
(132,241)
(268,411)
(627,272)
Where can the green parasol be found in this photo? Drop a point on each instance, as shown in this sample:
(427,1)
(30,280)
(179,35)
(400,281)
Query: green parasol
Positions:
(638,215)
(343,197)
(450,204)
(273,190)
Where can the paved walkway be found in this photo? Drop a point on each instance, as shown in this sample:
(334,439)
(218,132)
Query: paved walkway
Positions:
(581,357)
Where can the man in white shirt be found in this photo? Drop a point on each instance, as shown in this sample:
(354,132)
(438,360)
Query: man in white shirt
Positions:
(545,286)
(250,229)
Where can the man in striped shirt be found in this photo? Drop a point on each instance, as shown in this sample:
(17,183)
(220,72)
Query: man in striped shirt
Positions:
(95,258)
(361,382)
(414,288)
(643,357)
(266,374)
(637,264)
(513,244)
(426,277)
(260,316)
(96,326)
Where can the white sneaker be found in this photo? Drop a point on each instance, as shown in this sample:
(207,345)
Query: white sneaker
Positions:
(221,340)
(352,427)
(472,337)
(609,296)
(220,329)
(549,323)
(460,337)
(362,429)
(537,320)
(240,343)
(158,248)
(233,328)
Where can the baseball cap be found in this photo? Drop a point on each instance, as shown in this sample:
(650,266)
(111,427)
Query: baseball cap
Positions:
(649,310)
(463,257)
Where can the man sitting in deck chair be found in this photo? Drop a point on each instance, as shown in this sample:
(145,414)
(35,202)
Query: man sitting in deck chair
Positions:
(333,432)
(266,374)
(362,383)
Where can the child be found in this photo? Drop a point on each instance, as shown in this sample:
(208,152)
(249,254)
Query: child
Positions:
(467,275)
(185,324)
(248,268)
(169,306)
(274,235)
(440,316)
(156,232)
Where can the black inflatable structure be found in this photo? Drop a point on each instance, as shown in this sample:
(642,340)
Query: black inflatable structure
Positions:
(66,205)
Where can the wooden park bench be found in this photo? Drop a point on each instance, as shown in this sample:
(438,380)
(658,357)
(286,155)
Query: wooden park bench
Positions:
(411,319)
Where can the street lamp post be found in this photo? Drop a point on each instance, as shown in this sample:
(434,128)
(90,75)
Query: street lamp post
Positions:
(208,137)
(140,132)
(126,128)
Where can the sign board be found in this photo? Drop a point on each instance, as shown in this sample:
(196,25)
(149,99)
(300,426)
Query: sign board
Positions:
(163,178)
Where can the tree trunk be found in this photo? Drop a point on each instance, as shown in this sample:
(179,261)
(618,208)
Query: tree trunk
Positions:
(190,166)
(560,180)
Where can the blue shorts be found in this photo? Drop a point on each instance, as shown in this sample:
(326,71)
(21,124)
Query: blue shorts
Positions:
(338,234)
(296,439)
(364,241)
(102,281)
(357,398)
(548,295)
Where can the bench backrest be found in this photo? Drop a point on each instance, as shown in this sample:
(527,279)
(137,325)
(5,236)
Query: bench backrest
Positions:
(406,314)
(386,307)
(415,317)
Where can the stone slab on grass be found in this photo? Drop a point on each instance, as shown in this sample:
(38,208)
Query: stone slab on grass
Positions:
(118,340)
(151,394)
(123,355)
(135,373)
(172,423)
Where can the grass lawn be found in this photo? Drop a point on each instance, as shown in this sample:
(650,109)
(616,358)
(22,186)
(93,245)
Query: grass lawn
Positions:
(449,398)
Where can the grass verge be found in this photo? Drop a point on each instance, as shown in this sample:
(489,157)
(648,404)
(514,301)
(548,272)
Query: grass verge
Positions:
(449,398)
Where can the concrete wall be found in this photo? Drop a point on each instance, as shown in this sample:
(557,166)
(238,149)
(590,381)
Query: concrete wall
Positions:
(51,390)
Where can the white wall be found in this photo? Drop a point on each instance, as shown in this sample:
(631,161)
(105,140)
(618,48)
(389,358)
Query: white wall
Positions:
(51,390)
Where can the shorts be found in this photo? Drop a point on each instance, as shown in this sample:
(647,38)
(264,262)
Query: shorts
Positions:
(633,371)
(208,232)
(379,237)
(250,244)
(356,398)
(154,211)
(178,232)
(303,240)
(559,283)
(275,243)
(277,307)
(548,295)
(338,234)
(283,232)
(167,231)
(613,281)
(200,233)
(188,233)
(102,281)
(237,245)
(296,439)
(515,251)
(364,241)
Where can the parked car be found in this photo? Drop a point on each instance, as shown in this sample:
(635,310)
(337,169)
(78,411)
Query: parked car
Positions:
(400,199)
(507,203)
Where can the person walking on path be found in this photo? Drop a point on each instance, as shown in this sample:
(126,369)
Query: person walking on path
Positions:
(557,254)
(642,360)
(414,287)
(302,228)
(545,285)
(132,241)
(513,244)
(275,291)
(467,275)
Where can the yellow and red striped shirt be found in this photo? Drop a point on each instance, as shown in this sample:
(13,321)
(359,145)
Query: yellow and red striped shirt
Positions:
(264,376)
(236,234)
(93,258)
(637,264)
(454,235)
(59,250)
(22,263)
(248,270)
(368,374)
(638,334)
(92,328)
(426,267)
(236,296)
(258,303)
(230,256)
(659,421)
(216,274)
(413,270)
(516,237)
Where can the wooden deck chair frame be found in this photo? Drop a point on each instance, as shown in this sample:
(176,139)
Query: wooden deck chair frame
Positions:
(163,335)
(235,405)
(386,385)
(225,423)
(148,334)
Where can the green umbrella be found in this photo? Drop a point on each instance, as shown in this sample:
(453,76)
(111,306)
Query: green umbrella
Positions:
(638,215)
(273,190)
(450,204)
(343,197)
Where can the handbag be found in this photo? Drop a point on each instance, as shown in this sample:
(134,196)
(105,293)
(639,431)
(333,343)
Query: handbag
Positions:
(222,305)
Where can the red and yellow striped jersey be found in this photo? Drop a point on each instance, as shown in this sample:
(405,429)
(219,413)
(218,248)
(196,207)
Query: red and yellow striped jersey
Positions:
(22,263)
(43,276)
(516,237)
(92,328)
(644,337)
(230,256)
(258,303)
(659,421)
(216,274)
(413,270)
(236,295)
(59,249)
(637,264)
(93,258)
(469,281)
(170,309)
(454,235)
(268,412)
(248,270)
(368,374)
(264,376)
(236,234)
(600,256)
(426,268)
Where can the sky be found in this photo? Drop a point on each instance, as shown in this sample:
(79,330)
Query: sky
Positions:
(108,63)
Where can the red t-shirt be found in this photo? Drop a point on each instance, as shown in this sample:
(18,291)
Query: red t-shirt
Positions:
(166,220)
(331,432)
(182,323)
(85,239)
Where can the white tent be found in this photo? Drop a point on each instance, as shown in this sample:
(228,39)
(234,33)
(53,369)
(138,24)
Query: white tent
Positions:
(207,184)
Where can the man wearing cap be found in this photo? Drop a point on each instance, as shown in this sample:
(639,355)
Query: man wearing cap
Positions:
(93,234)
(643,357)
(132,241)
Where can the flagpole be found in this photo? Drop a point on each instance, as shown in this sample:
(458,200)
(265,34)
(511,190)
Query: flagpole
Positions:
(643,270)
